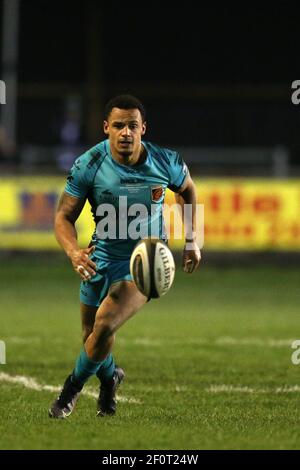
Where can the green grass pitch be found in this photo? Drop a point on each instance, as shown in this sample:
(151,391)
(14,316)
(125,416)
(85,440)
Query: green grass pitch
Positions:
(207,367)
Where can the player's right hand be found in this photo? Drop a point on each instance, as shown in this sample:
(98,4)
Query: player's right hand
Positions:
(191,257)
(82,264)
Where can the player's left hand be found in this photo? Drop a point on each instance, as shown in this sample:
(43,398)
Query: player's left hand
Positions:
(191,257)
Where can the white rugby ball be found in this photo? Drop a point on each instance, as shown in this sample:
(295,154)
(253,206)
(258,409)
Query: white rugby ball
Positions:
(152,267)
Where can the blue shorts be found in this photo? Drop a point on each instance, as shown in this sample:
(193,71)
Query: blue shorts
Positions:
(92,292)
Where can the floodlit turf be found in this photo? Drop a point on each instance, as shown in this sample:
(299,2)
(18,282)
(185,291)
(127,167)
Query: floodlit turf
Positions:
(208,366)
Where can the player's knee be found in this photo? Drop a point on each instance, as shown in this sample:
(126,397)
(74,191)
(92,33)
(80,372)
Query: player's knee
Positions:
(104,328)
(126,308)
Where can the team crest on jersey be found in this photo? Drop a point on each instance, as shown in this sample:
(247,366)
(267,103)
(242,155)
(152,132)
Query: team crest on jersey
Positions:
(157,193)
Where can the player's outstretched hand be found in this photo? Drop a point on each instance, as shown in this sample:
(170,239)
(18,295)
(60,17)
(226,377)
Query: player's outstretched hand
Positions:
(191,257)
(82,264)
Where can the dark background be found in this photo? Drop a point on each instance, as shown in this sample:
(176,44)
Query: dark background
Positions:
(209,76)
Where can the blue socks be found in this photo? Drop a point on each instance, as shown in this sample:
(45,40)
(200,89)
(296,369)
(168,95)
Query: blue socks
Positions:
(85,368)
(106,369)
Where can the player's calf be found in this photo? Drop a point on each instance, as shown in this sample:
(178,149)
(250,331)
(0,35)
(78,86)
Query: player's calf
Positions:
(123,301)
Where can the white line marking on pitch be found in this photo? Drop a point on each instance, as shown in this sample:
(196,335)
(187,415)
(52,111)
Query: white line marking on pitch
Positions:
(32,384)
(23,340)
(270,342)
(240,389)
(144,341)
(221,341)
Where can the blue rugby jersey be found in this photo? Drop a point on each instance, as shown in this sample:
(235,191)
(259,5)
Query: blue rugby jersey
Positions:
(96,176)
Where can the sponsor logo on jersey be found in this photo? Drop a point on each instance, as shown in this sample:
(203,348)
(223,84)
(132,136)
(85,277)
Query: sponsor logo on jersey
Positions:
(132,180)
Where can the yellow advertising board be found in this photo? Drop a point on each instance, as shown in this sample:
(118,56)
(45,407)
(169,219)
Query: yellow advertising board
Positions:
(250,214)
(239,214)
(27,213)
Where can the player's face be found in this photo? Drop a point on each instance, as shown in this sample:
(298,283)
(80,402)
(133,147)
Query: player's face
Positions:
(125,128)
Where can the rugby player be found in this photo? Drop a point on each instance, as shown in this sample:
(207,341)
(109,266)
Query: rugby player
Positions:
(121,166)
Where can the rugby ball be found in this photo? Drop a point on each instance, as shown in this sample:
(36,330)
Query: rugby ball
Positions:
(152,267)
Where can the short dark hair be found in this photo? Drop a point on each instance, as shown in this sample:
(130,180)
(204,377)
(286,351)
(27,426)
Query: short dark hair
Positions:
(124,102)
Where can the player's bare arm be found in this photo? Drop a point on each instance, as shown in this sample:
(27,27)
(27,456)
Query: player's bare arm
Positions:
(68,211)
(191,254)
